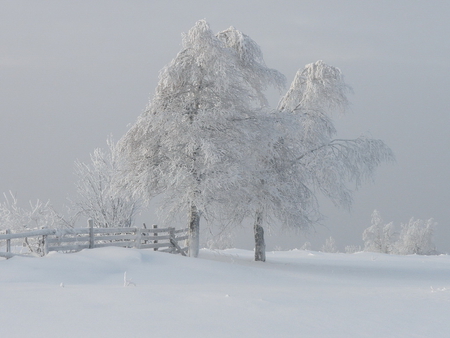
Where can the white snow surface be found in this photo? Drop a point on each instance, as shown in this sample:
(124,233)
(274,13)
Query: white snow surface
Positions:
(224,294)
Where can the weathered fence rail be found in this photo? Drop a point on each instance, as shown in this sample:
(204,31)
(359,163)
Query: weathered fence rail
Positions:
(72,240)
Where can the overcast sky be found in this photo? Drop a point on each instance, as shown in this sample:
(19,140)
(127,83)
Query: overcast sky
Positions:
(73,72)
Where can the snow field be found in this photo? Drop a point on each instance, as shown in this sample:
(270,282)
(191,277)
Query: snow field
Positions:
(224,294)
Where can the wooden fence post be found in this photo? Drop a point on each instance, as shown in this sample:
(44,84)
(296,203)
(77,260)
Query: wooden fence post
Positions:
(8,241)
(155,234)
(45,244)
(172,239)
(137,241)
(174,243)
(145,234)
(91,233)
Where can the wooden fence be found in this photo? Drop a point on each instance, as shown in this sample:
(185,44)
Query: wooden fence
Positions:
(72,240)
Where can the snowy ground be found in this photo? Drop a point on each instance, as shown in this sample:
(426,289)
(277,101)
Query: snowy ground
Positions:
(224,294)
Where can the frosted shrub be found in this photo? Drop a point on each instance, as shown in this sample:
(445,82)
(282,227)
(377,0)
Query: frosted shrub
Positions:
(329,246)
(39,215)
(11,215)
(416,237)
(350,249)
(306,246)
(378,237)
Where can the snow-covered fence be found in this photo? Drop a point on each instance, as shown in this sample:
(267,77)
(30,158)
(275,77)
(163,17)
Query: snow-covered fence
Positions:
(71,240)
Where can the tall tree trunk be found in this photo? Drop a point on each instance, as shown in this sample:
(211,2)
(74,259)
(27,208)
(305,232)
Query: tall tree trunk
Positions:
(260,245)
(194,231)
(194,216)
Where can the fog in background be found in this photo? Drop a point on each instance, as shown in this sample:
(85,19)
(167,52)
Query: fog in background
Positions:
(73,72)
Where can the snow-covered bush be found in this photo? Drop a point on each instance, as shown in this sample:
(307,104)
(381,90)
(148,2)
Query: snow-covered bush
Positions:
(330,245)
(39,215)
(352,249)
(306,246)
(378,237)
(416,237)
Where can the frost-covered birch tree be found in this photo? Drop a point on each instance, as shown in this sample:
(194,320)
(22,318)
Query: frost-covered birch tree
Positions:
(97,195)
(306,158)
(268,191)
(211,146)
(195,141)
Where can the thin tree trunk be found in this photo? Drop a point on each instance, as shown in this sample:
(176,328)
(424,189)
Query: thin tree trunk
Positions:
(194,216)
(260,245)
(194,231)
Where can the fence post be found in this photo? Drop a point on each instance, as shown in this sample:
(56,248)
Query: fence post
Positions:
(172,239)
(91,233)
(137,240)
(155,234)
(8,241)
(44,238)
(145,234)
(174,243)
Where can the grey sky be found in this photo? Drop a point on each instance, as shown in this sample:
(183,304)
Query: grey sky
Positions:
(72,72)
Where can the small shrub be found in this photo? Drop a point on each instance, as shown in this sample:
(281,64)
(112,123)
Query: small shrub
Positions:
(379,237)
(330,245)
(350,249)
(306,246)
(416,237)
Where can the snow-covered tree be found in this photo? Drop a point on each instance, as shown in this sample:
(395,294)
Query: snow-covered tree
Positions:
(209,144)
(379,237)
(195,141)
(98,197)
(270,192)
(416,237)
(306,157)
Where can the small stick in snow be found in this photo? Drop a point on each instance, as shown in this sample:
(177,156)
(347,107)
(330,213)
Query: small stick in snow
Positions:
(127,282)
